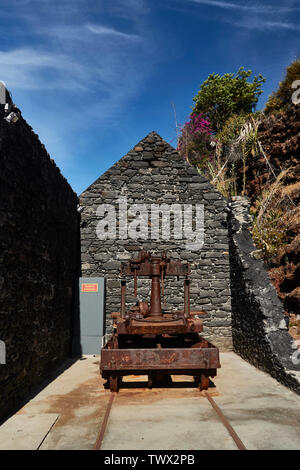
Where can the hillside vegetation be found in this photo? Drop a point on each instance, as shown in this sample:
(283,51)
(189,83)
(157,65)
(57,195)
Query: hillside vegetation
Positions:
(255,154)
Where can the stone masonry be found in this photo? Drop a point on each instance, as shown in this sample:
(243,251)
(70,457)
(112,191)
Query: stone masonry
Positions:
(39,245)
(154,173)
(259,326)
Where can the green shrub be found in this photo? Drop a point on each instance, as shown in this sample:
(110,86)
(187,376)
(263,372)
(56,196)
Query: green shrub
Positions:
(231,128)
(221,96)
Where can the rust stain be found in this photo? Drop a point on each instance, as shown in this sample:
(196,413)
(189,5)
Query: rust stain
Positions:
(88,394)
(143,396)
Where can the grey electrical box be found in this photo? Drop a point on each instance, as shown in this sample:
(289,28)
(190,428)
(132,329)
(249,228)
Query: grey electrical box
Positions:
(91,312)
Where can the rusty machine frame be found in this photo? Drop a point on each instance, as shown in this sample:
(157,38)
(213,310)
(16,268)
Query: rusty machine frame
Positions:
(151,341)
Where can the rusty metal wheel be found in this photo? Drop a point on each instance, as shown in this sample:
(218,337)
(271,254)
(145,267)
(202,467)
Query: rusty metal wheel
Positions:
(114,382)
(197,380)
(150,381)
(204,381)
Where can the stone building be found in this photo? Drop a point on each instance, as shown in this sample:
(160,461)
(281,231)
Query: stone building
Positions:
(155,177)
(39,245)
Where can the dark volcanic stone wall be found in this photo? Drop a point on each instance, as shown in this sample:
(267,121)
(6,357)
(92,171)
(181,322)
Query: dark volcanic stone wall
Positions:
(153,172)
(38,262)
(259,327)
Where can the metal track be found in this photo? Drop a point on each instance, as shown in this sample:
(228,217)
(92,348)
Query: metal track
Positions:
(218,411)
(226,423)
(99,440)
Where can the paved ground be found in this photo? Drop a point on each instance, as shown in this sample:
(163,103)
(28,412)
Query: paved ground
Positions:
(68,413)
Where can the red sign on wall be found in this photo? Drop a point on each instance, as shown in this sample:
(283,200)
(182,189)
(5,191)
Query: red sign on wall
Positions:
(89,287)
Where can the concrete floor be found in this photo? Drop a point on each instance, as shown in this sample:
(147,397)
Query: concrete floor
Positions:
(67,414)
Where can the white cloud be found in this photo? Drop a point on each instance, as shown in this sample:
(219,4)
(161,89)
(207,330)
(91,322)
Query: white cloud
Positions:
(104,30)
(83,67)
(31,58)
(32,69)
(73,55)
(256,16)
(250,7)
(263,25)
(84,32)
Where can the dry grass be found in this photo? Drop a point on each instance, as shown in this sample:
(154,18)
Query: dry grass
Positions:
(292,190)
(291,219)
(272,215)
(272,196)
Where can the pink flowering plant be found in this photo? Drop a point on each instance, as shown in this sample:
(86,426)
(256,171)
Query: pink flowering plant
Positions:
(194,143)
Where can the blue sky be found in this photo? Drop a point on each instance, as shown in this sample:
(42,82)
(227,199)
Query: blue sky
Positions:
(93,77)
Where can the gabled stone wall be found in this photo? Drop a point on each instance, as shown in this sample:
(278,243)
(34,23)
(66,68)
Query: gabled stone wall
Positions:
(154,173)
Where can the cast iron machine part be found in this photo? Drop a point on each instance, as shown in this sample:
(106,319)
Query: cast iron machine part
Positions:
(149,340)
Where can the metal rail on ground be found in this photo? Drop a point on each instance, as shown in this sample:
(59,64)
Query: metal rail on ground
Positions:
(216,408)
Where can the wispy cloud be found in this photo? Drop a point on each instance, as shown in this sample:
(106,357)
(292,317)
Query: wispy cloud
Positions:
(264,25)
(73,53)
(26,68)
(249,7)
(32,58)
(85,61)
(84,33)
(105,30)
(256,16)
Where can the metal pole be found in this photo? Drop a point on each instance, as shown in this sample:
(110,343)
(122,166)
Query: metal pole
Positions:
(155,301)
(186,297)
(123,297)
